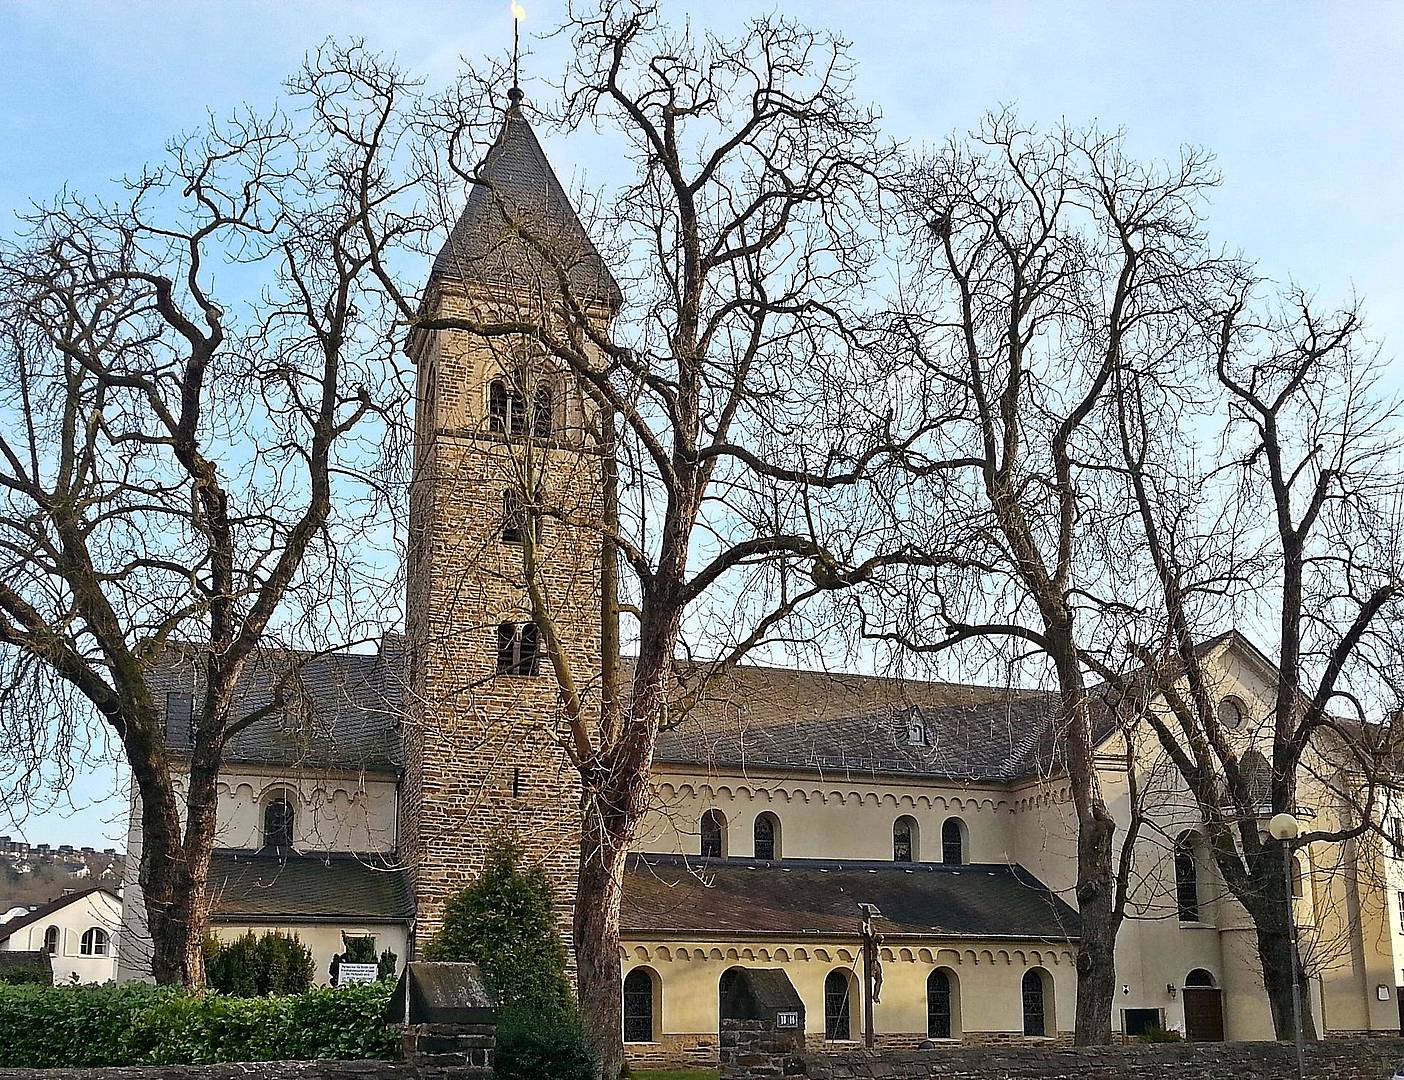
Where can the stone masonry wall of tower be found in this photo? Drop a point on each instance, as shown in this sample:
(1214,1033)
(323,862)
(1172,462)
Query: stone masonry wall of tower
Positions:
(482,749)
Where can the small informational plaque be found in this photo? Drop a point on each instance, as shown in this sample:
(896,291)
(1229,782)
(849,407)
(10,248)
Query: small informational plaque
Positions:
(356,973)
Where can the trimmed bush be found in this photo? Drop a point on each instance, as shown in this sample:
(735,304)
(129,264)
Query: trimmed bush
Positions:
(135,1024)
(505,923)
(256,965)
(541,1046)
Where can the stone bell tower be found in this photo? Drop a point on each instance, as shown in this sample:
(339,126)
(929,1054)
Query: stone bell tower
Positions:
(506,458)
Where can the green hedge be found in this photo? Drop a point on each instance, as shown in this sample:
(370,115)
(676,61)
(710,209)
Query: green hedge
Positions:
(92,1026)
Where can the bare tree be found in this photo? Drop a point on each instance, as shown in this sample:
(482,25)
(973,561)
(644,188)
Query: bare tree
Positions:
(726,398)
(198,399)
(1040,265)
(1293,528)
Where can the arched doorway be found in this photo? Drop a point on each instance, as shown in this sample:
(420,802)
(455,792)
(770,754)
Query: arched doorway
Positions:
(1204,1007)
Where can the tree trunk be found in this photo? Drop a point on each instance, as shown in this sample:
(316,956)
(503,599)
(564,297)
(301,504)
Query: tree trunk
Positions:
(1096,882)
(1096,954)
(603,852)
(1275,950)
(174,871)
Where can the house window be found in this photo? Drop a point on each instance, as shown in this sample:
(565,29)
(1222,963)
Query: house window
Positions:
(1136,1022)
(953,842)
(94,942)
(838,1019)
(904,840)
(51,940)
(713,830)
(507,408)
(1397,827)
(1256,779)
(180,715)
(767,837)
(916,733)
(543,415)
(1035,1005)
(1298,879)
(938,1005)
(518,649)
(1186,879)
(638,1006)
(278,819)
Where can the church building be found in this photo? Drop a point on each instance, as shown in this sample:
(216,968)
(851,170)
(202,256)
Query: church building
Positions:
(784,800)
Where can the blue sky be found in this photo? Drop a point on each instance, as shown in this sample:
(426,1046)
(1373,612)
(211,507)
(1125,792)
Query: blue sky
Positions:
(1299,101)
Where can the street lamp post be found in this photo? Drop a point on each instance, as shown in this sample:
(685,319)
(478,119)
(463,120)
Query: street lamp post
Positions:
(1284,828)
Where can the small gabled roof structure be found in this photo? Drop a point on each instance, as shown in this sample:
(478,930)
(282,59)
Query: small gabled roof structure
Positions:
(519,228)
(43,911)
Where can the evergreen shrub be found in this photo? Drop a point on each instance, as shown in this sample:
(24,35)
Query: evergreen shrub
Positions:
(256,965)
(137,1024)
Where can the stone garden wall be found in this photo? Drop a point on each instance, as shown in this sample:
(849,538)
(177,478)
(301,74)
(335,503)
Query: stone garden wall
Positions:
(1353,1059)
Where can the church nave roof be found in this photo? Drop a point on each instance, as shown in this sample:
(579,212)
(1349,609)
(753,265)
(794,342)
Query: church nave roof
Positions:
(800,898)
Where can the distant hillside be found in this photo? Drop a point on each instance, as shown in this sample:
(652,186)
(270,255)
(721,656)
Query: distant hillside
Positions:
(33,874)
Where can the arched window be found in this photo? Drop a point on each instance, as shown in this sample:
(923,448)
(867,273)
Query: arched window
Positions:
(838,1014)
(507,411)
(278,820)
(506,647)
(518,649)
(1186,879)
(1257,778)
(513,517)
(1298,878)
(1037,1014)
(1199,977)
(529,650)
(429,403)
(953,842)
(51,940)
(713,830)
(904,840)
(1231,714)
(543,414)
(939,1009)
(638,1006)
(767,836)
(94,942)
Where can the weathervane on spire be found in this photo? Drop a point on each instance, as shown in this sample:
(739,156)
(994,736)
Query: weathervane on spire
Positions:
(515,95)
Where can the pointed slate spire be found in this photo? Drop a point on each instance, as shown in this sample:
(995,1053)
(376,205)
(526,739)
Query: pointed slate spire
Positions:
(520,194)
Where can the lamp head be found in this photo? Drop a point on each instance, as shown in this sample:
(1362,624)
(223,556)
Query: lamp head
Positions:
(1284,827)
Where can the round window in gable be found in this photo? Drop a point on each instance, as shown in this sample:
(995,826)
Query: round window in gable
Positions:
(1231,714)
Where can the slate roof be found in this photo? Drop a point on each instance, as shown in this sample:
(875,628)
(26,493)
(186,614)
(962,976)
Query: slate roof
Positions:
(43,911)
(353,698)
(758,717)
(307,888)
(800,898)
(739,716)
(519,227)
